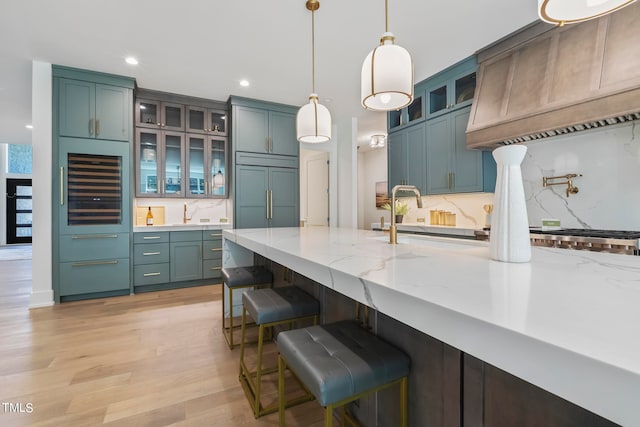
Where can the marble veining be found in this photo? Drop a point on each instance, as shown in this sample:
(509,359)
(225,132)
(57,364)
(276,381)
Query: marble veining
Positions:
(573,312)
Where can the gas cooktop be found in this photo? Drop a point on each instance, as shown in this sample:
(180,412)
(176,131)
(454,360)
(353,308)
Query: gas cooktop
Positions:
(604,234)
(614,241)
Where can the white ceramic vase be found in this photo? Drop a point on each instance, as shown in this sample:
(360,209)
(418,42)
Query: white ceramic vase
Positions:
(509,237)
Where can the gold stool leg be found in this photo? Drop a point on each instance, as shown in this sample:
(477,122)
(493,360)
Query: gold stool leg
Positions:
(328,416)
(242,340)
(403,402)
(281,395)
(258,383)
(230,318)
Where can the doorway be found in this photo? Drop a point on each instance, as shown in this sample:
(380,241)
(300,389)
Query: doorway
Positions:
(318,189)
(19,210)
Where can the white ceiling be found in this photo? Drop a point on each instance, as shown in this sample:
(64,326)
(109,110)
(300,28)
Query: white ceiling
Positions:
(203,48)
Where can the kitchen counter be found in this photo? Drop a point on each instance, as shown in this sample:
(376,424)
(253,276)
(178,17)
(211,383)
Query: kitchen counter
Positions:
(568,321)
(182,227)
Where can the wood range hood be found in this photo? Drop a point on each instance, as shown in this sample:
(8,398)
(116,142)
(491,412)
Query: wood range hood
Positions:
(544,81)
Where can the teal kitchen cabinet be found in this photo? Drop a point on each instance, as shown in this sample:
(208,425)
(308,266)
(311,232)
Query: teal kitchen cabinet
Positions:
(408,115)
(212,254)
(160,168)
(91,211)
(185,249)
(155,114)
(451,89)
(211,121)
(93,110)
(406,157)
(266,197)
(150,258)
(206,166)
(451,167)
(260,130)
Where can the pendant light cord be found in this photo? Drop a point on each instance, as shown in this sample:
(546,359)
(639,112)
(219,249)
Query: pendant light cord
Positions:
(313,52)
(386,16)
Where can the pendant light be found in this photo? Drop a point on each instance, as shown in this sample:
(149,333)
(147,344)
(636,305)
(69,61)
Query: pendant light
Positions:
(313,121)
(562,12)
(387,74)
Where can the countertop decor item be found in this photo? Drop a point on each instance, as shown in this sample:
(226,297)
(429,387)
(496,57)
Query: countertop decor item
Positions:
(313,121)
(509,239)
(386,82)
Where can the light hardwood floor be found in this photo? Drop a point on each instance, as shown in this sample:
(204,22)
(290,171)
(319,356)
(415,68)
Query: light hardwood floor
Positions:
(154,359)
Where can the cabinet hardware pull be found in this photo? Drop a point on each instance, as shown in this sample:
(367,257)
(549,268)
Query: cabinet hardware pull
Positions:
(270,145)
(61,185)
(95,236)
(266,193)
(150,253)
(216,249)
(266,140)
(151,274)
(91,127)
(215,235)
(449,180)
(453,178)
(97,127)
(270,204)
(151,238)
(215,268)
(86,263)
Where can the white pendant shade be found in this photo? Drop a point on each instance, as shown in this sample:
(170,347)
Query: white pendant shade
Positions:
(572,11)
(387,77)
(313,122)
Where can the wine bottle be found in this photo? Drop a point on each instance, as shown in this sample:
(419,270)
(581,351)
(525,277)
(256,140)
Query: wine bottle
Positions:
(149,217)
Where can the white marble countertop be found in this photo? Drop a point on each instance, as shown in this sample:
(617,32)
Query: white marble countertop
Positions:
(182,227)
(568,321)
(432,229)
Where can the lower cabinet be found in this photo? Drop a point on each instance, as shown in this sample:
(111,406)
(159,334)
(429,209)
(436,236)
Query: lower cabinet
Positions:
(176,259)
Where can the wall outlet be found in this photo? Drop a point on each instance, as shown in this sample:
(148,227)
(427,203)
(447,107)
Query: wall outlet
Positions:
(223,220)
(420,220)
(205,220)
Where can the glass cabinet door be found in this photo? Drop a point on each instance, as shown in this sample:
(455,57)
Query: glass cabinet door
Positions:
(147,113)
(438,99)
(414,110)
(148,155)
(173,161)
(217,122)
(218,167)
(196,166)
(172,116)
(465,88)
(196,119)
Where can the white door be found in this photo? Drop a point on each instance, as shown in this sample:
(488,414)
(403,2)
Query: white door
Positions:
(318,190)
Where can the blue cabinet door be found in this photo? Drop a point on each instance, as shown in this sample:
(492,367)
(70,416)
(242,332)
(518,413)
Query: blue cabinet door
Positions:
(396,158)
(284,197)
(186,261)
(416,157)
(113,112)
(251,129)
(438,145)
(467,164)
(76,108)
(252,184)
(282,133)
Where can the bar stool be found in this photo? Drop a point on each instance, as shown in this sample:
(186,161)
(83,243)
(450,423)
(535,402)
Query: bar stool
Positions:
(240,277)
(268,308)
(339,363)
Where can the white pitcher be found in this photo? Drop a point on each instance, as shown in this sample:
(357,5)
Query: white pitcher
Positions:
(509,237)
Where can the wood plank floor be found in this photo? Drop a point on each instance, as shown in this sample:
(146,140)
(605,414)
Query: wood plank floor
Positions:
(154,359)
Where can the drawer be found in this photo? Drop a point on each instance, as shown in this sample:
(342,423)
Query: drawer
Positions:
(185,236)
(212,235)
(151,237)
(86,247)
(150,274)
(211,268)
(211,249)
(151,253)
(85,277)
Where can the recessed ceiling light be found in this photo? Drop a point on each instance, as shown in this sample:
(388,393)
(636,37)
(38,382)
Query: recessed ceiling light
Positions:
(244,83)
(29,126)
(131,60)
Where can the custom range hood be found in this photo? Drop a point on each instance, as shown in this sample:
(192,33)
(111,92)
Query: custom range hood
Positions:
(544,81)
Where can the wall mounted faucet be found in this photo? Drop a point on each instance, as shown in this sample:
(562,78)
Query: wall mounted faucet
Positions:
(571,189)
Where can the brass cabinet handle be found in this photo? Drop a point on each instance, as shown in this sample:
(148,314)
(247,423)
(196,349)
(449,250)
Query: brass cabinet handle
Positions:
(86,263)
(95,236)
(216,249)
(97,127)
(151,274)
(266,193)
(266,140)
(449,180)
(270,204)
(215,235)
(453,178)
(61,185)
(215,268)
(91,127)
(150,237)
(270,145)
(150,253)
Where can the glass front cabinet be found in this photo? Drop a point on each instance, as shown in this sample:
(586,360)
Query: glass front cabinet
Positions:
(451,93)
(160,160)
(159,115)
(206,166)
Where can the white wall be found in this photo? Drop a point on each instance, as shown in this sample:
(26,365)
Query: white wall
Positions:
(41,111)
(347,174)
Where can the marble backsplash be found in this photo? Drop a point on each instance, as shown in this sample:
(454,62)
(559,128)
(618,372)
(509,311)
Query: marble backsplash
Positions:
(609,188)
(197,209)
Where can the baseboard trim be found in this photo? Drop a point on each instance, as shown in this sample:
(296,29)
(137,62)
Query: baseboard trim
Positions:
(41,299)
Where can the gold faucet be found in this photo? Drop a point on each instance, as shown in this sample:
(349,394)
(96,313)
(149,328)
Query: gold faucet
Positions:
(571,189)
(393,232)
(184,214)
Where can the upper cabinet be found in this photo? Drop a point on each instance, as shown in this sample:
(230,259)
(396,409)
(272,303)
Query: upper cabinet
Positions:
(206,120)
(179,163)
(451,90)
(159,115)
(93,110)
(407,157)
(410,114)
(264,131)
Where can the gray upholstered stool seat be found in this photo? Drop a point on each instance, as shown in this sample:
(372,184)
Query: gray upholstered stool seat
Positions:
(340,362)
(272,307)
(236,278)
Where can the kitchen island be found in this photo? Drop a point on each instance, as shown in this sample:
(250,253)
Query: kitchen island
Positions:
(567,322)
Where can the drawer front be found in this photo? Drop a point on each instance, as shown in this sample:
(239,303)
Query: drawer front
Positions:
(212,249)
(152,253)
(150,274)
(211,268)
(212,235)
(185,236)
(86,247)
(151,237)
(84,277)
